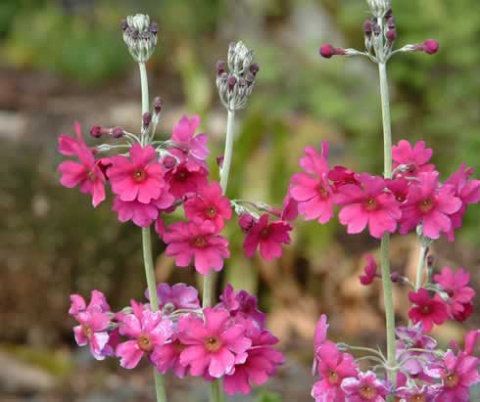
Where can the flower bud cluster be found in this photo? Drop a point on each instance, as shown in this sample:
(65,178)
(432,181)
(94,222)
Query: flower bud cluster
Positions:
(236,85)
(140,36)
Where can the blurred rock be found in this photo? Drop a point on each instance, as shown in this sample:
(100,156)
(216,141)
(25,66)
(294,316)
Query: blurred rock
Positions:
(12,125)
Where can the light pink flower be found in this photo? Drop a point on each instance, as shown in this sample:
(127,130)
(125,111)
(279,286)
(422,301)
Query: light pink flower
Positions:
(138,178)
(427,310)
(368,204)
(178,296)
(269,237)
(242,304)
(209,204)
(185,179)
(93,330)
(370,271)
(365,387)
(430,205)
(312,190)
(261,363)
(86,173)
(194,147)
(199,242)
(333,367)
(319,338)
(455,284)
(97,299)
(425,393)
(214,345)
(146,330)
(414,160)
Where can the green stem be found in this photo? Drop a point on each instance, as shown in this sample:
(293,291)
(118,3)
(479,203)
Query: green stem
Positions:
(147,248)
(227,156)
(217,394)
(385,244)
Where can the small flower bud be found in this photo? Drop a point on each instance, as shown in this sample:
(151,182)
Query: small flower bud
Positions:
(169,162)
(395,277)
(430,260)
(96,131)
(221,67)
(391,23)
(117,132)
(157,104)
(368,27)
(220,161)
(377,30)
(389,14)
(254,68)
(231,83)
(430,46)
(146,119)
(391,35)
(246,222)
(327,51)
(140,36)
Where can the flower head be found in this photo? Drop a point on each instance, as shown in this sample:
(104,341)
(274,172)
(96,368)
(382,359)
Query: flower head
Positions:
(365,387)
(185,179)
(427,310)
(140,36)
(193,147)
(411,161)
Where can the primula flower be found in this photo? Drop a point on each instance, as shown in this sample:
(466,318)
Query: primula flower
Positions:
(365,387)
(185,179)
(269,237)
(209,204)
(333,367)
(427,310)
(178,296)
(261,363)
(213,345)
(460,295)
(146,330)
(368,204)
(97,300)
(429,205)
(426,393)
(167,357)
(290,208)
(86,173)
(340,175)
(194,147)
(196,241)
(413,161)
(370,271)
(458,373)
(399,188)
(241,304)
(319,338)
(312,190)
(472,339)
(139,177)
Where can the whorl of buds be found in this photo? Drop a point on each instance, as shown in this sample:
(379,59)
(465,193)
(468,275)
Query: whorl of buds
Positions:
(140,36)
(235,86)
(327,51)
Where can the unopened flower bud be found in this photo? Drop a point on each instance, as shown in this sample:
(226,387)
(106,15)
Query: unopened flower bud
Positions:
(117,132)
(231,83)
(254,68)
(391,23)
(395,277)
(157,104)
(368,27)
(146,119)
(169,162)
(221,67)
(96,131)
(391,35)
(140,36)
(246,222)
(220,161)
(389,13)
(430,46)
(328,51)
(430,260)
(376,29)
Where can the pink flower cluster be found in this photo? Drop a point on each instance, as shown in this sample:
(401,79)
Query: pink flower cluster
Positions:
(413,197)
(425,374)
(227,341)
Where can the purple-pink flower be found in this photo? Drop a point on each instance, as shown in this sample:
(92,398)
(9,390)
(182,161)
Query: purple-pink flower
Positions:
(368,204)
(427,310)
(412,160)
(370,271)
(197,241)
(365,387)
(178,296)
(269,237)
(213,345)
(241,304)
(193,147)
(186,179)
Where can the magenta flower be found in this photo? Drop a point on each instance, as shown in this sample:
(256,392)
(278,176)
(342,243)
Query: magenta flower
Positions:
(471,340)
(429,205)
(399,188)
(269,237)
(86,173)
(167,357)
(194,147)
(365,387)
(368,204)
(199,242)
(139,177)
(456,286)
(142,214)
(241,304)
(290,208)
(459,373)
(178,296)
(146,330)
(97,300)
(312,190)
(214,345)
(319,338)
(185,179)
(412,161)
(209,204)
(333,367)
(370,271)
(425,393)
(428,311)
(261,363)
(340,175)
(93,330)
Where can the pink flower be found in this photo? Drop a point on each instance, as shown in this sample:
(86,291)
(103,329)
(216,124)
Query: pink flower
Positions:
(370,271)
(241,304)
(455,285)
(139,178)
(86,173)
(269,237)
(312,190)
(340,176)
(142,214)
(458,374)
(290,208)
(199,242)
(399,188)
(93,330)
(427,310)
(178,296)
(97,300)
(319,339)
(429,205)
(185,179)
(365,387)
(209,204)
(261,363)
(368,205)
(167,357)
(426,393)
(214,345)
(146,330)
(194,147)
(471,340)
(414,160)
(333,367)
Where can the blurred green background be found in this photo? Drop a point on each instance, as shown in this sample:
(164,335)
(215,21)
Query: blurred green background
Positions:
(62,61)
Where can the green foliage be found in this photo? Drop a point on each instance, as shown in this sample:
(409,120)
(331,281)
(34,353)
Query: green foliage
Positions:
(267,396)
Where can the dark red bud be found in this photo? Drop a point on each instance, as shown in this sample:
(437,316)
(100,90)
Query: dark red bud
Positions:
(391,35)
(254,68)
(146,118)
(96,131)
(246,222)
(231,82)
(388,14)
(221,67)
(376,29)
(117,132)
(391,23)
(220,161)
(368,27)
(430,46)
(395,277)
(327,51)
(430,260)
(157,104)
(169,162)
